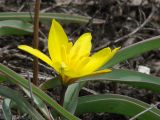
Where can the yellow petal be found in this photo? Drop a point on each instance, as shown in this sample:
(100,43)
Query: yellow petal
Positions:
(87,65)
(69,46)
(92,74)
(65,50)
(76,70)
(80,63)
(100,72)
(57,37)
(37,54)
(82,47)
(115,50)
(71,73)
(64,53)
(98,59)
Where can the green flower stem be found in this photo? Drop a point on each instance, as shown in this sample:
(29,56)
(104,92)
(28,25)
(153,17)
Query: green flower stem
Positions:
(62,94)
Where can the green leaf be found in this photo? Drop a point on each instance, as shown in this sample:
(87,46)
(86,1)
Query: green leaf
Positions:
(39,103)
(6,109)
(136,79)
(20,101)
(134,50)
(50,84)
(3,78)
(116,104)
(47,17)
(71,96)
(15,27)
(17,79)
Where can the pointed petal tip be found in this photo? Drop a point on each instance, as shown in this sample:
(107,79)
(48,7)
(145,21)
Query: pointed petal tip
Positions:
(19,46)
(105,71)
(87,35)
(99,72)
(116,49)
(107,50)
(54,21)
(22,46)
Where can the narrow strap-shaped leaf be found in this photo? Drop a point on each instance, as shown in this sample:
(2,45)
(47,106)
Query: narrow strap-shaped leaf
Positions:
(6,109)
(21,102)
(17,79)
(3,78)
(136,79)
(39,103)
(119,104)
(15,27)
(46,17)
(134,50)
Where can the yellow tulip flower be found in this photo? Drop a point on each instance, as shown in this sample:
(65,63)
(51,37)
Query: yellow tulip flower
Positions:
(71,61)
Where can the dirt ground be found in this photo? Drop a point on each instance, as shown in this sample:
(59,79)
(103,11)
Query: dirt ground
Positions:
(125,22)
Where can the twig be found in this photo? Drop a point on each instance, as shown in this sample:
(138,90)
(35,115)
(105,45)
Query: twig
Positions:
(36,40)
(29,9)
(44,39)
(137,29)
(88,23)
(46,9)
(141,113)
(90,91)
(30,88)
(22,6)
(41,75)
(41,33)
(131,33)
